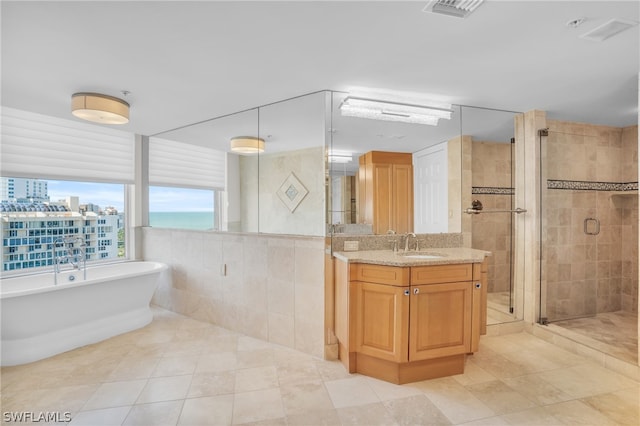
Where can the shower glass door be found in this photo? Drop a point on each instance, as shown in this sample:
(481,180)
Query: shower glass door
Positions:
(569,229)
(588,221)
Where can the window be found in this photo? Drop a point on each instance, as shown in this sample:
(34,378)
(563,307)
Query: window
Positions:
(31,227)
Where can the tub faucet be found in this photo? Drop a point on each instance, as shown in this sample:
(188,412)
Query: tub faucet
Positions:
(406,241)
(74,253)
(56,259)
(77,253)
(72,258)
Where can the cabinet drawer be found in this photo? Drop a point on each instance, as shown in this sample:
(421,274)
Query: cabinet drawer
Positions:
(379,274)
(441,273)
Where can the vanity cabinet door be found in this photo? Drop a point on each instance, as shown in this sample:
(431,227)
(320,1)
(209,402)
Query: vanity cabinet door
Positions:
(381,198)
(402,201)
(382,319)
(385,191)
(440,320)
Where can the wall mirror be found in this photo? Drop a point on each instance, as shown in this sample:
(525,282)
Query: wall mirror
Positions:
(290,175)
(435,152)
(236,213)
(490,169)
(279,189)
(306,177)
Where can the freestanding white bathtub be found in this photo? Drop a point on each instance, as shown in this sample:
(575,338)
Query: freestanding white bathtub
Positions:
(40,319)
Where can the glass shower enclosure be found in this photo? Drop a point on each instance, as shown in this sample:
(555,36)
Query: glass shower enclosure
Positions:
(589,233)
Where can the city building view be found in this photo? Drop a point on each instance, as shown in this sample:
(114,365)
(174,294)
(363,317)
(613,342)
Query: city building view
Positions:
(31,225)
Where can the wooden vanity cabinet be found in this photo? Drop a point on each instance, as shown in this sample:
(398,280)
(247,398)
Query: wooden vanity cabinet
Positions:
(407,323)
(385,191)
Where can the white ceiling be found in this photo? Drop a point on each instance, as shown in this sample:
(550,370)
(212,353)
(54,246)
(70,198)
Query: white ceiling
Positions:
(186,62)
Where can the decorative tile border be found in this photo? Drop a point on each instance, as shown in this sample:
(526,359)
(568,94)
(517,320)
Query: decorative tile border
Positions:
(492,190)
(592,186)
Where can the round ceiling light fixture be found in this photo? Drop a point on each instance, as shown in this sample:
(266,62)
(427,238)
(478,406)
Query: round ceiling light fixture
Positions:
(99,108)
(247,145)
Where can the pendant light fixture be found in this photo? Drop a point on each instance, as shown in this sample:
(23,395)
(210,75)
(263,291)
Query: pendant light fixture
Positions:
(247,145)
(99,108)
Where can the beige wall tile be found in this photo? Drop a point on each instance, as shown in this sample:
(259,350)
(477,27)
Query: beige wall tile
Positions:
(281,329)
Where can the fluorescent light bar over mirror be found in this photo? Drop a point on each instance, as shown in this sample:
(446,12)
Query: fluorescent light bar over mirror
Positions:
(393,111)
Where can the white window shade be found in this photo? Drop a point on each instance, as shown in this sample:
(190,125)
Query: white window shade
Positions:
(39,146)
(185,165)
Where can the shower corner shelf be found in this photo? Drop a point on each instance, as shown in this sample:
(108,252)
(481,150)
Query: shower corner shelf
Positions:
(625,194)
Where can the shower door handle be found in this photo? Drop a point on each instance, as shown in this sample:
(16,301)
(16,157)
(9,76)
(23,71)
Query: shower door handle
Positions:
(595,230)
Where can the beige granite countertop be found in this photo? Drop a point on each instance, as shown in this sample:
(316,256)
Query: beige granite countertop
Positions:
(389,258)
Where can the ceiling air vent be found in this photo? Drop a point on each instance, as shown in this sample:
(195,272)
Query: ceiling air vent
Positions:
(608,29)
(457,8)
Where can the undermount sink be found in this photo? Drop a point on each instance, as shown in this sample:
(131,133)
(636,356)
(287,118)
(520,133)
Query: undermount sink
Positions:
(418,255)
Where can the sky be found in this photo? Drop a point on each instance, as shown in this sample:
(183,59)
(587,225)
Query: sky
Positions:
(106,194)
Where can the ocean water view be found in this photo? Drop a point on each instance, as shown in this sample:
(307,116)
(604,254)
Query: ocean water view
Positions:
(182,220)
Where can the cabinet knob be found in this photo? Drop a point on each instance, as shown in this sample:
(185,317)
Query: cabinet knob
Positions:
(406,292)
(478,285)
(416,290)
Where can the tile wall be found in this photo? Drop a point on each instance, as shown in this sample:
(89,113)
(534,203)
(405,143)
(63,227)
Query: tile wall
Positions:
(266,286)
(491,185)
(629,221)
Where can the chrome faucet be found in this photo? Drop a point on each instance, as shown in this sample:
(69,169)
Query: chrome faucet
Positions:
(395,240)
(57,259)
(73,255)
(406,241)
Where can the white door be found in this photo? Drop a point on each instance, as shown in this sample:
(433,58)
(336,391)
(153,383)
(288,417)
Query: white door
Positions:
(431,189)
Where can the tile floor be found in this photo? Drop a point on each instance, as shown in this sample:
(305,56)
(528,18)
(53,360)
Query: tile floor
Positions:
(614,333)
(178,371)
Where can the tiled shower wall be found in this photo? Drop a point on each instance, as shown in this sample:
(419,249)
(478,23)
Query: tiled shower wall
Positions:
(587,274)
(266,286)
(630,221)
(491,183)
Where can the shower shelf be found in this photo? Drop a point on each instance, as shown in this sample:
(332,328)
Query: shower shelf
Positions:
(625,194)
